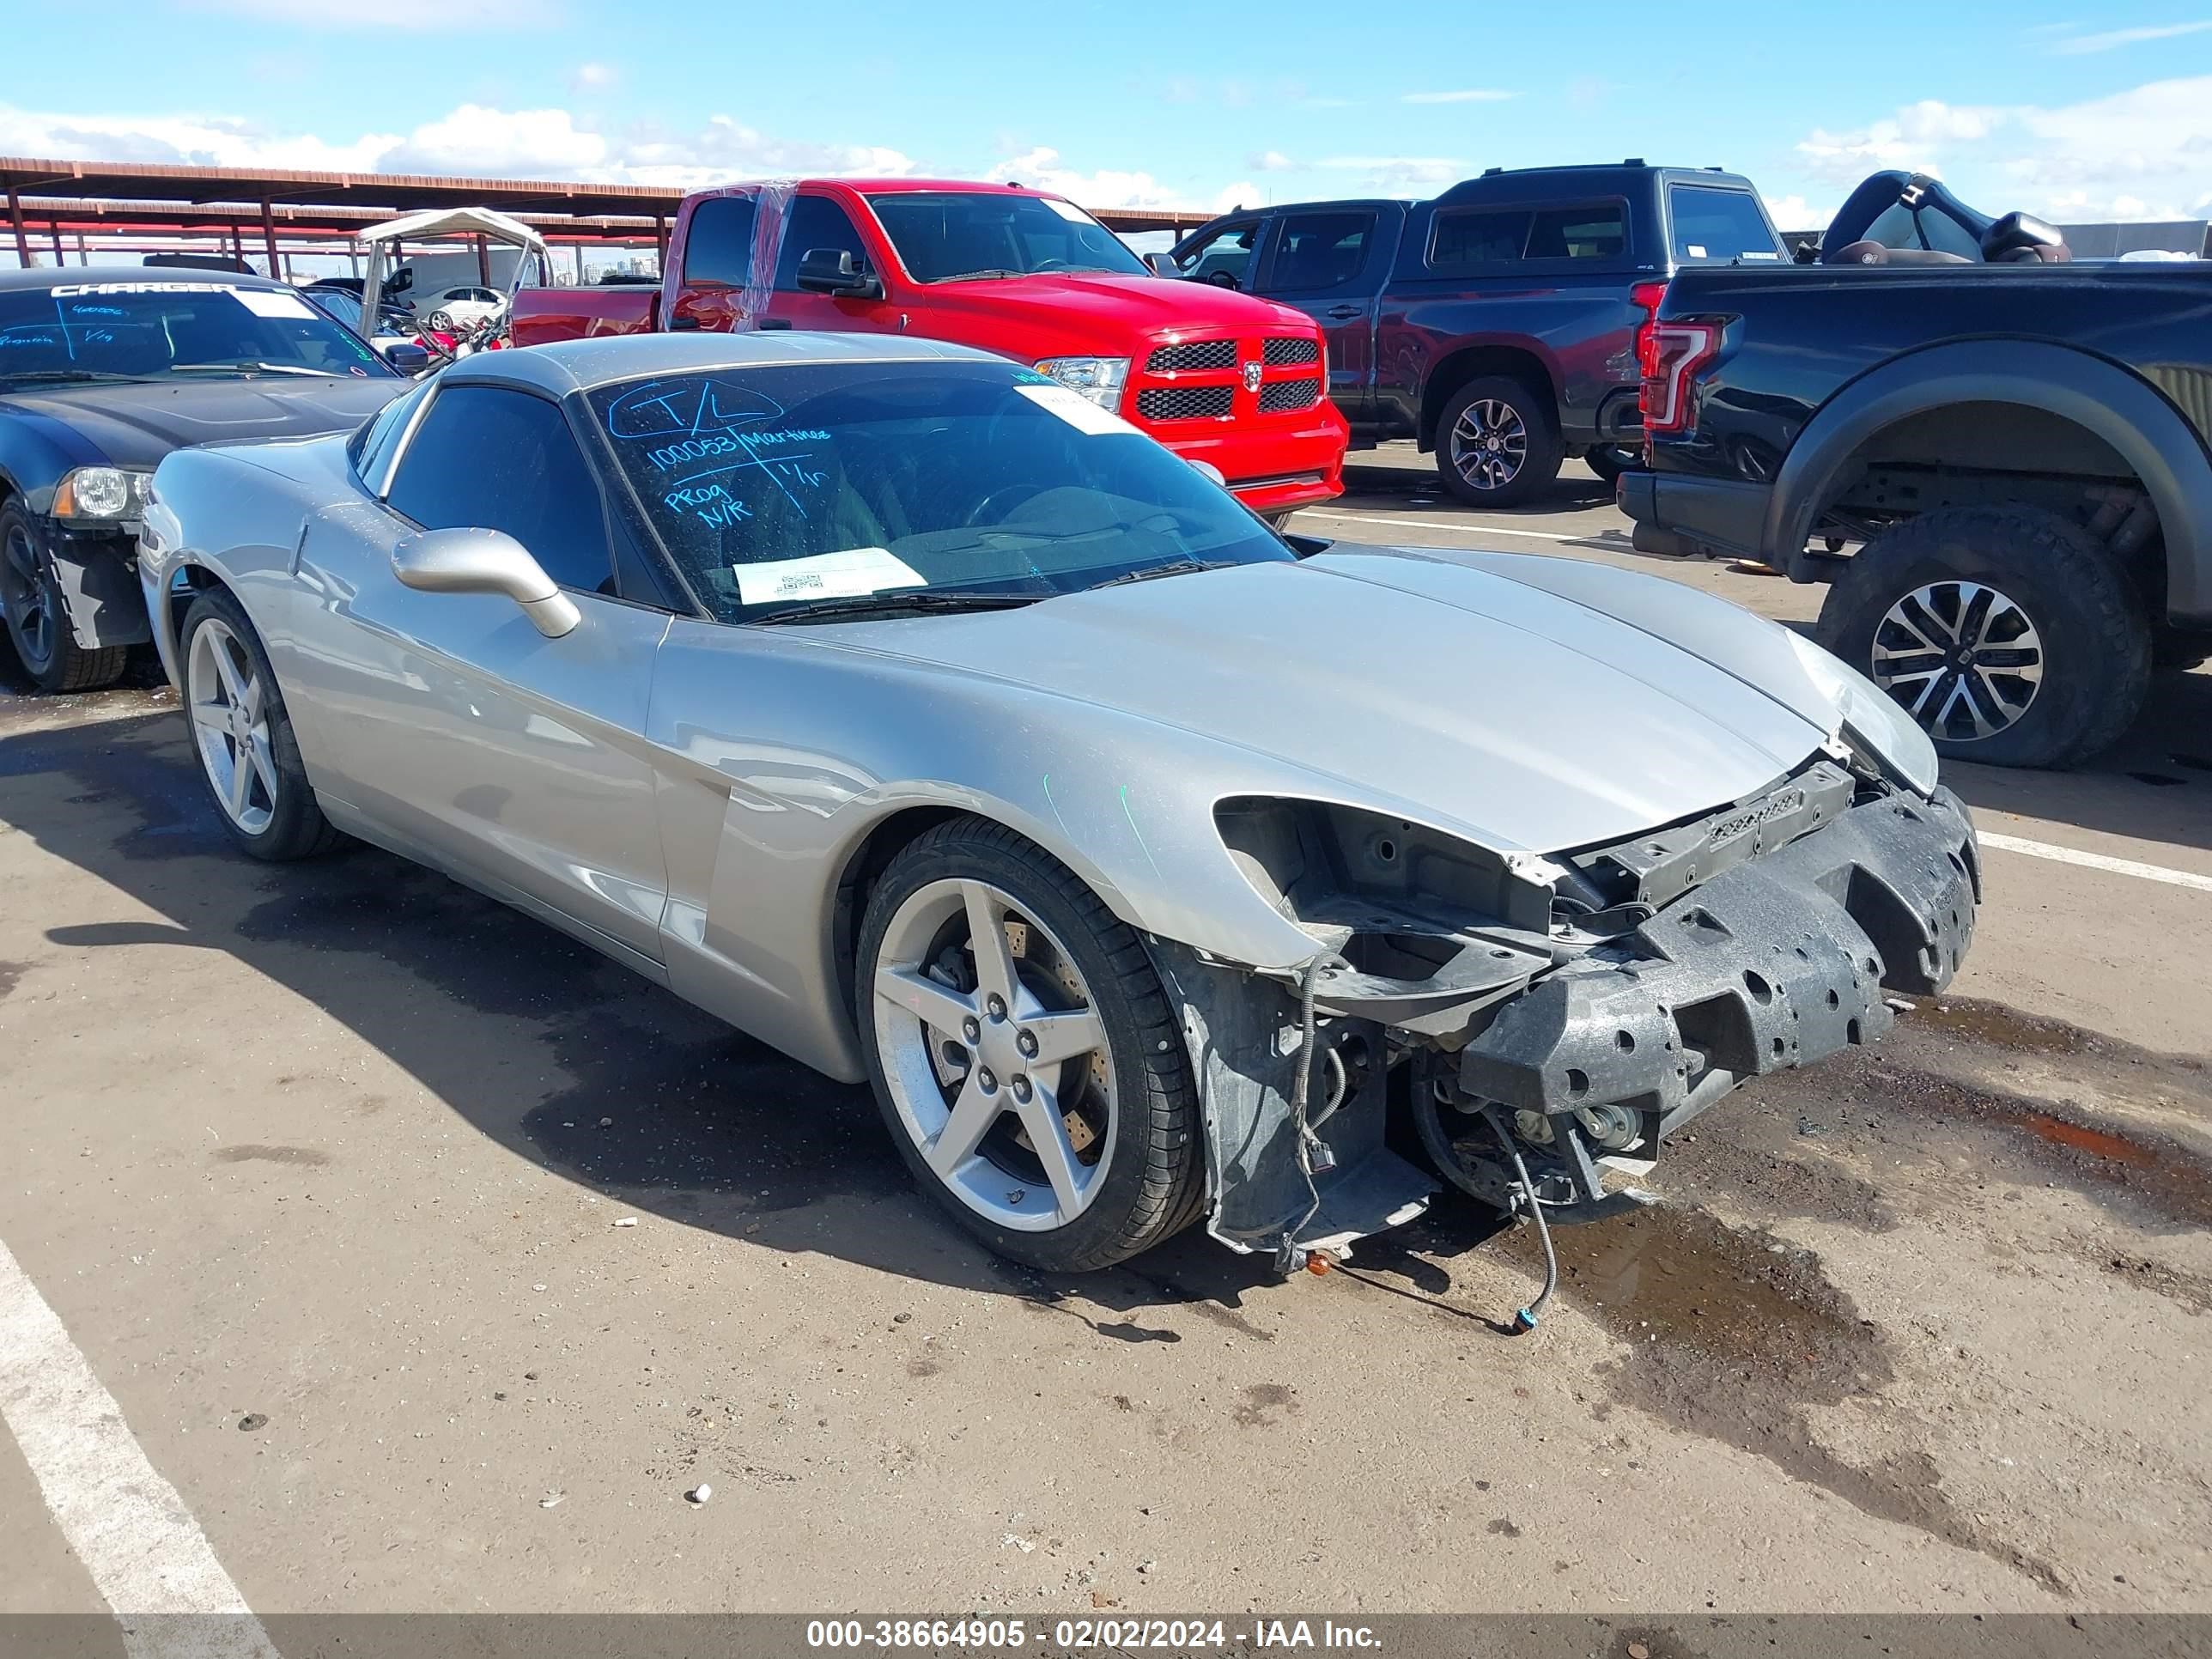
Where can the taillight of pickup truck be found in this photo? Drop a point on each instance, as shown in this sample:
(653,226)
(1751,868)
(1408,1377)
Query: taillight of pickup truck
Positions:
(1668,356)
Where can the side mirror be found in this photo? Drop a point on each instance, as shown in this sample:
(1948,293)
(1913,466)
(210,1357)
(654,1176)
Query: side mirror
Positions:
(1163,264)
(837,271)
(408,357)
(484,561)
(1207,470)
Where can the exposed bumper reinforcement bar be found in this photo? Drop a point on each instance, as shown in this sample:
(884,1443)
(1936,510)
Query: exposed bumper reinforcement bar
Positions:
(1773,964)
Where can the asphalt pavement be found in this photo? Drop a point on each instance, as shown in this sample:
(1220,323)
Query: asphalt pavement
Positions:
(320,1175)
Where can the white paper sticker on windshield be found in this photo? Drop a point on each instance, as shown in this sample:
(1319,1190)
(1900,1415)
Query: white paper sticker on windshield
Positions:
(1078,411)
(1697,251)
(848,575)
(267,302)
(1754,253)
(1069,211)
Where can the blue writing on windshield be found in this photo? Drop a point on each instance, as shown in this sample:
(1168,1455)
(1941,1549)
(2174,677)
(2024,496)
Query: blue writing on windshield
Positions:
(710,504)
(687,408)
(728,443)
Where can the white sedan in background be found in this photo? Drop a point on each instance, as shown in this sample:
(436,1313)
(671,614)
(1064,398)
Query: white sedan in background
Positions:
(462,306)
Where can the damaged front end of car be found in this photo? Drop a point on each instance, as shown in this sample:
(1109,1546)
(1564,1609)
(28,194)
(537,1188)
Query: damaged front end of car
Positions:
(1552,1017)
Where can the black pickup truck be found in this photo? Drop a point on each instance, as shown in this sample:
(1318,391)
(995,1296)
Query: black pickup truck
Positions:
(1494,325)
(2014,445)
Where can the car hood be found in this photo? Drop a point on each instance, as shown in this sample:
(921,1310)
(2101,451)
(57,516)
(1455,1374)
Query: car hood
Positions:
(1516,717)
(1144,305)
(136,425)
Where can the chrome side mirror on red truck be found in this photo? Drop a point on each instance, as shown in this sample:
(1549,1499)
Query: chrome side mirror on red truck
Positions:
(838,271)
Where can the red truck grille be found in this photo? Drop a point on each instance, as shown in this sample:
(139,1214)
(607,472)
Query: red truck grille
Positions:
(1222,380)
(1186,403)
(1192,354)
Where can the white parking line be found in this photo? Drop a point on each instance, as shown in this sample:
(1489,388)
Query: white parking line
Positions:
(1461,529)
(2044,849)
(146,1554)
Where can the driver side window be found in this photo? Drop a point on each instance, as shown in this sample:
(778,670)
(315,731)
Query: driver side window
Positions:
(491,458)
(1225,258)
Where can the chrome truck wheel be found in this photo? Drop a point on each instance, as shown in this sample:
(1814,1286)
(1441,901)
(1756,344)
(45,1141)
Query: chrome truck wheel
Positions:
(1023,1052)
(1961,657)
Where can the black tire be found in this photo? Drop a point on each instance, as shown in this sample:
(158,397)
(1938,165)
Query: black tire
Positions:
(296,828)
(1539,460)
(2095,638)
(1155,1184)
(1609,461)
(37,615)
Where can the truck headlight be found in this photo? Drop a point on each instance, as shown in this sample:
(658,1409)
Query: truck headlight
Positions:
(101,493)
(1099,379)
(1867,714)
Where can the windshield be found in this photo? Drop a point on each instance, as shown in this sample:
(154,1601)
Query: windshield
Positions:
(346,307)
(944,235)
(153,329)
(777,486)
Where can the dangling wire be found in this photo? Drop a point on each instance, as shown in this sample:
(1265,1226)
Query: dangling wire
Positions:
(1524,1319)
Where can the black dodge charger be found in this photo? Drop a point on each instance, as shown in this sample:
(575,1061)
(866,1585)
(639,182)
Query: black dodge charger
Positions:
(102,372)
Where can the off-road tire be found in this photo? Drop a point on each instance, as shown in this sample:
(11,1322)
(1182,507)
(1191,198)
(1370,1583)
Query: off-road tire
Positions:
(63,664)
(296,828)
(2096,634)
(1156,1183)
(1539,465)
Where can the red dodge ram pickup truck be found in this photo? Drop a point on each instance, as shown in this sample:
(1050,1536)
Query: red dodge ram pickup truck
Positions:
(1217,377)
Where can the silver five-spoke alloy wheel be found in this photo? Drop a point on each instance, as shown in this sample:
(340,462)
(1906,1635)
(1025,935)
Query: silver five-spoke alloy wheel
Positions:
(231,726)
(1960,656)
(994,1055)
(1489,442)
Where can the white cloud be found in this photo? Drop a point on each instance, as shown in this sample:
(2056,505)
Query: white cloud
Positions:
(593,78)
(2146,153)
(1400,175)
(1795,213)
(1469,95)
(2077,45)
(542,143)
(442,15)
(1042,168)
(1269,160)
(1242,194)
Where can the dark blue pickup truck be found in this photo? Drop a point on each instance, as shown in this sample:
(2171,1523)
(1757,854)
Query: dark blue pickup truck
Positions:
(1495,325)
(1999,460)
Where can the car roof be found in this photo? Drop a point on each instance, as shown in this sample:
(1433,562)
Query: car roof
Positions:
(566,366)
(166,275)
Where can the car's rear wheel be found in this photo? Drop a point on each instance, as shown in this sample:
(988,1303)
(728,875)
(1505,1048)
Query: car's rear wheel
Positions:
(1609,461)
(2008,632)
(1025,1053)
(248,753)
(1496,442)
(37,615)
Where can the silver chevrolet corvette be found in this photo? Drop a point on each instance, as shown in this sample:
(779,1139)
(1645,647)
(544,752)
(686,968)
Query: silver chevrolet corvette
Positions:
(913,713)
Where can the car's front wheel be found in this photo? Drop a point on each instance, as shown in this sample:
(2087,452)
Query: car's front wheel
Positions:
(2009,634)
(37,615)
(1496,442)
(242,734)
(1025,1053)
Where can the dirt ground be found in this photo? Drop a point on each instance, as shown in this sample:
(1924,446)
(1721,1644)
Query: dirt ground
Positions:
(342,1146)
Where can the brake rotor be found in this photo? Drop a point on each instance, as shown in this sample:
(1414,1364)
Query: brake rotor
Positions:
(1082,1133)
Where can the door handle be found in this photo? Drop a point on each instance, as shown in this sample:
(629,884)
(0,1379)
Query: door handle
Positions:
(773,322)
(1343,314)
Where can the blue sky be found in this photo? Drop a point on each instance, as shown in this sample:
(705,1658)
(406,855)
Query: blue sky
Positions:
(2075,111)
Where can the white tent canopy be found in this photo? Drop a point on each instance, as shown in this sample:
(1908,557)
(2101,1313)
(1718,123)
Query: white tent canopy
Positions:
(470,222)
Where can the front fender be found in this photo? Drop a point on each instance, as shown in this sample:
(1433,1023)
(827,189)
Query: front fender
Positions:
(2096,395)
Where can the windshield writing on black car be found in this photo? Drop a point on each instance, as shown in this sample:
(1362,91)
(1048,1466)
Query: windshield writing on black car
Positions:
(146,330)
(774,486)
(940,234)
